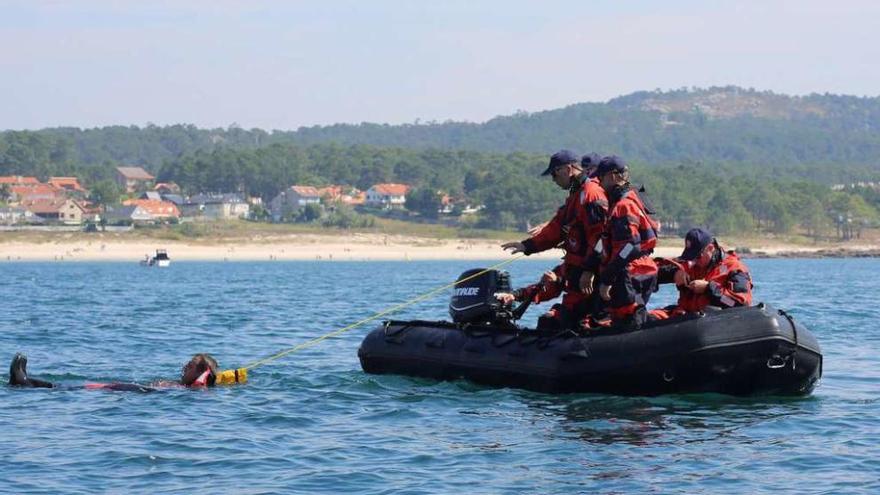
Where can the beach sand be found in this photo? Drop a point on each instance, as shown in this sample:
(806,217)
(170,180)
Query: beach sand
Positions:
(352,247)
(344,247)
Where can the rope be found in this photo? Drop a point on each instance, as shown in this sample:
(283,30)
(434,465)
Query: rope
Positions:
(368,319)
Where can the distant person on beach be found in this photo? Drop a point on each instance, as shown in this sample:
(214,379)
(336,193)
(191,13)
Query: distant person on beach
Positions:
(705,275)
(200,371)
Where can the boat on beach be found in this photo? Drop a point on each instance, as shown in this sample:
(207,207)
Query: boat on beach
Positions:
(160,260)
(745,351)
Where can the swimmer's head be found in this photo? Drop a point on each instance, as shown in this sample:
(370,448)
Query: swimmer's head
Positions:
(196,367)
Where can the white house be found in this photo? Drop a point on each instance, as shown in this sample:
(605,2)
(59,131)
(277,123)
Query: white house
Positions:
(212,206)
(387,195)
(292,199)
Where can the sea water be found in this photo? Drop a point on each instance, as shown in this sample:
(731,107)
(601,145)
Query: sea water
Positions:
(313,422)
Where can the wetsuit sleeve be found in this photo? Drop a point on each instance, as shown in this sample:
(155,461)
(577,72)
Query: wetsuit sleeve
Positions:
(595,213)
(548,237)
(736,291)
(37,383)
(541,292)
(623,230)
(538,292)
(666,273)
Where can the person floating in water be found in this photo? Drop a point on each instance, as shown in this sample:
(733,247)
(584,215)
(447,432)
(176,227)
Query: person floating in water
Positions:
(202,370)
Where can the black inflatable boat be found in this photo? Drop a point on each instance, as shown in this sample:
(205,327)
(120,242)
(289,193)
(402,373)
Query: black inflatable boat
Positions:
(757,350)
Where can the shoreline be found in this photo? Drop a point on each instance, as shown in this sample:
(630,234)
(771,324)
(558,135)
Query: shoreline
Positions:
(351,247)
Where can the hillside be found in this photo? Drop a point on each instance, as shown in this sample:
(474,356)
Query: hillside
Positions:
(727,124)
(717,125)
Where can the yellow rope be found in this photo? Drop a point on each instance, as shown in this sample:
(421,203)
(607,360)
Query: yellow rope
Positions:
(377,315)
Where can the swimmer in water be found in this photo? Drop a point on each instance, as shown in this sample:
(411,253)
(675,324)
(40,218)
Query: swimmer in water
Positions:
(200,371)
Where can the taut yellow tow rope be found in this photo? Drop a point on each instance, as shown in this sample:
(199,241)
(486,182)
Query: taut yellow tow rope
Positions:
(368,319)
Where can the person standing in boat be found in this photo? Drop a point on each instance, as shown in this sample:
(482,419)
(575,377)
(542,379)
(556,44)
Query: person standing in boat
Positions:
(628,274)
(705,275)
(576,228)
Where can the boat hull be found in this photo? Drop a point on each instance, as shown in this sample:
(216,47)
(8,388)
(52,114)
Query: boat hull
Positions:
(740,351)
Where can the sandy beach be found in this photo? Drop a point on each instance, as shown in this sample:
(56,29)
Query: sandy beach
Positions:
(347,247)
(353,247)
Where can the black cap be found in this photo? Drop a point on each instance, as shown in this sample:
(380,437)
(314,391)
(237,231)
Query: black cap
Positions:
(560,158)
(694,243)
(590,160)
(611,163)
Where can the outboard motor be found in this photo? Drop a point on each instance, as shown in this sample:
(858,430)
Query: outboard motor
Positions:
(473,300)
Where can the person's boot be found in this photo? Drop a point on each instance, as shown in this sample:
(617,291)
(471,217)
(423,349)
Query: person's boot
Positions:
(18,374)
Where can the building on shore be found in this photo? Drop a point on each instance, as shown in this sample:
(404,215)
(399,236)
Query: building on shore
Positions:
(158,210)
(62,210)
(127,215)
(387,196)
(68,184)
(17,215)
(215,206)
(34,192)
(292,199)
(133,179)
(18,180)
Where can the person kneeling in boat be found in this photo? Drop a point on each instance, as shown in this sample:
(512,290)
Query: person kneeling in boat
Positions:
(705,275)
(570,313)
(200,371)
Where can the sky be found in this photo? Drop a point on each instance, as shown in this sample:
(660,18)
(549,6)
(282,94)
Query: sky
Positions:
(286,64)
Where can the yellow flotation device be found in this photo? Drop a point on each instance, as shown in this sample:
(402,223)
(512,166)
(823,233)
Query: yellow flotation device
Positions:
(231,377)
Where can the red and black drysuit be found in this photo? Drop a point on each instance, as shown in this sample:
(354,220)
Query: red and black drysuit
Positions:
(627,266)
(576,228)
(730,284)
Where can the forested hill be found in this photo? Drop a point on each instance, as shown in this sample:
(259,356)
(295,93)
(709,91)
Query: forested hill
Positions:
(718,125)
(714,125)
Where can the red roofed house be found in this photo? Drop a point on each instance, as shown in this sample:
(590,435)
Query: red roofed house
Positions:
(133,178)
(387,195)
(355,198)
(35,192)
(330,193)
(66,183)
(15,185)
(292,199)
(18,180)
(343,194)
(62,209)
(155,207)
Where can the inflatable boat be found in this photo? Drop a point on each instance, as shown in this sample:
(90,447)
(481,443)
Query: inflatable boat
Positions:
(756,350)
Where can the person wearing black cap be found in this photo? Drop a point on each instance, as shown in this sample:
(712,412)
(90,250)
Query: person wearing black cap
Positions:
(705,275)
(576,228)
(628,274)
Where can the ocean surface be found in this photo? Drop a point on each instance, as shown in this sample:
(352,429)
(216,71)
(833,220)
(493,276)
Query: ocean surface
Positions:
(313,422)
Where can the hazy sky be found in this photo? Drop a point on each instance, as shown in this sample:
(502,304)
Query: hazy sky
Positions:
(285,64)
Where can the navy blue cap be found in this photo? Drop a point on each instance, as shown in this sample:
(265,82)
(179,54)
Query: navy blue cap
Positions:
(560,158)
(694,243)
(611,163)
(590,160)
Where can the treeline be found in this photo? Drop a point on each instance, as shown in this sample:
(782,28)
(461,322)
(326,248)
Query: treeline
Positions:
(828,137)
(726,199)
